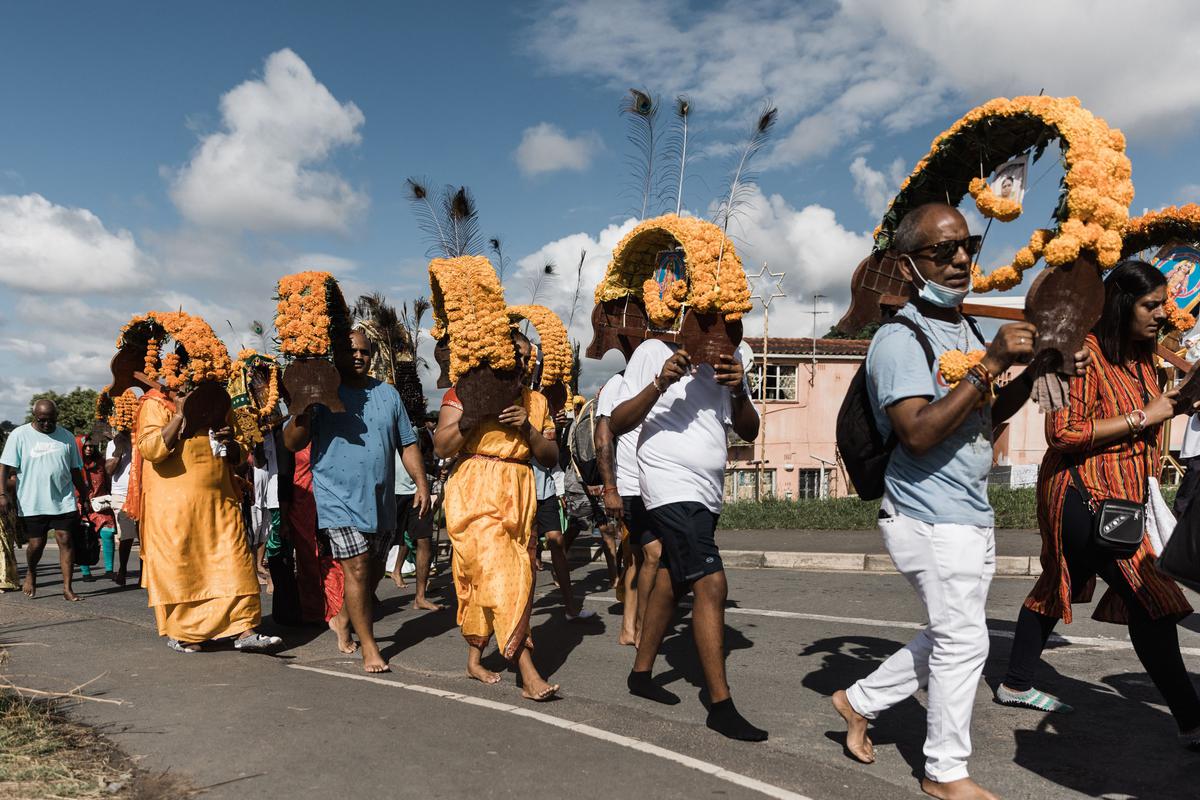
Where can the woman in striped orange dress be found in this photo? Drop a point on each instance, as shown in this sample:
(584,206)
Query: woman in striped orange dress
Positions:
(1111,431)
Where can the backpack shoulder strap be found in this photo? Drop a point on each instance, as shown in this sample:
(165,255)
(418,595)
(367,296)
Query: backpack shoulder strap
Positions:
(974,326)
(922,339)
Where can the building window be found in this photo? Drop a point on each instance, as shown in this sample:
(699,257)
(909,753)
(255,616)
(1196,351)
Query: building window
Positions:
(741,484)
(808,484)
(778,382)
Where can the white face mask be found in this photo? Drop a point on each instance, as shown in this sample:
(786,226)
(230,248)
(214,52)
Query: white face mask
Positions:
(936,293)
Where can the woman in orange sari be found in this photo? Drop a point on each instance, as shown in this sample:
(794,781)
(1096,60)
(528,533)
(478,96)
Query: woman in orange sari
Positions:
(198,568)
(490,503)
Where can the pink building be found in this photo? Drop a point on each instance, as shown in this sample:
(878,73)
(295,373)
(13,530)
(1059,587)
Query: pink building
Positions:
(799,397)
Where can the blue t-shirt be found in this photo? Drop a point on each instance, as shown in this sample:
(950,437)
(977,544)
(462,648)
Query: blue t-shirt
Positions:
(949,483)
(43,462)
(354,461)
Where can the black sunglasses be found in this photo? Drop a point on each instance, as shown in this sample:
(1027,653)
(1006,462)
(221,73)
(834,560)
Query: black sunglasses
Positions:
(943,252)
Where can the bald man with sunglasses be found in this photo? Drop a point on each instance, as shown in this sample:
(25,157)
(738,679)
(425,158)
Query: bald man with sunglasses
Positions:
(935,517)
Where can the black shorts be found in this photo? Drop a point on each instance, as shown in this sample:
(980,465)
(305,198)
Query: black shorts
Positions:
(39,526)
(548,518)
(408,521)
(637,521)
(689,545)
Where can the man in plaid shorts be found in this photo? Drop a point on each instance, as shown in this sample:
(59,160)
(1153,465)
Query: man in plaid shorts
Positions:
(354,475)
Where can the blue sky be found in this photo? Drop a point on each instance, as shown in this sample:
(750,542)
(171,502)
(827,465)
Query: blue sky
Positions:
(155,155)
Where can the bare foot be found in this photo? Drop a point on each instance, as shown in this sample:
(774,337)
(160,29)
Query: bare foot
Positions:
(963,789)
(857,741)
(426,605)
(345,642)
(373,661)
(29,587)
(482,674)
(539,691)
(397,579)
(627,638)
(69,595)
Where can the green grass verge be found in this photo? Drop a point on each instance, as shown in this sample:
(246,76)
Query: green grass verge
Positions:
(1015,508)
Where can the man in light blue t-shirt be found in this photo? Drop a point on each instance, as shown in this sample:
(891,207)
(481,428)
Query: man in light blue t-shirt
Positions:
(935,519)
(354,479)
(48,467)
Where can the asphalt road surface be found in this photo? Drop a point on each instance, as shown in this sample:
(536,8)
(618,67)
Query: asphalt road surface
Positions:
(308,723)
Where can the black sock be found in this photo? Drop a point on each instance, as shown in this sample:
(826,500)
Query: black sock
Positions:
(641,684)
(725,720)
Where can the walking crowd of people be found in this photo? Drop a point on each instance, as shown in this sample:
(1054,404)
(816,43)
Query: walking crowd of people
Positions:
(316,507)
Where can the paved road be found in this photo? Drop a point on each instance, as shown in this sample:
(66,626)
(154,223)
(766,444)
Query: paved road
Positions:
(304,724)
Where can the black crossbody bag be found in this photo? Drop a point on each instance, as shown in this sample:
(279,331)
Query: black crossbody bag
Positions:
(1118,526)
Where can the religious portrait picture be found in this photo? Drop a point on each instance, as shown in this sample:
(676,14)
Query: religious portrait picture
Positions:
(1179,262)
(1010,178)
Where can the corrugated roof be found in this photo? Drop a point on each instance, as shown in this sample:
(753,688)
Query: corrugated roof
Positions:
(783,345)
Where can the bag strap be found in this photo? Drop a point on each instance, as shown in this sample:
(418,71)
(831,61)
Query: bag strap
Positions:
(973,324)
(1077,479)
(917,331)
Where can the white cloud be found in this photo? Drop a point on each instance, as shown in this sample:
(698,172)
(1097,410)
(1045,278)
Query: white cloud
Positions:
(547,148)
(867,65)
(872,187)
(1190,193)
(46,247)
(268,169)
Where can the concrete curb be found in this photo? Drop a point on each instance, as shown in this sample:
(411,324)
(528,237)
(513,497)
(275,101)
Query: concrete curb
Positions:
(1025,566)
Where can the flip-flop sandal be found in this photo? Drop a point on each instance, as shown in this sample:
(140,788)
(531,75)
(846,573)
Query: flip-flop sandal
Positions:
(180,647)
(257,643)
(585,615)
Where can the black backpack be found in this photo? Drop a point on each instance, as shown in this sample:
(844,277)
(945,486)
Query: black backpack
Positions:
(864,450)
(582,444)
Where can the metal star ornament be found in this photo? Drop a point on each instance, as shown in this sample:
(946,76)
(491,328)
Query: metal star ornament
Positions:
(766,285)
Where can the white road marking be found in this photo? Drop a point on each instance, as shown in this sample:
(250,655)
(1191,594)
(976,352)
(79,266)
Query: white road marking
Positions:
(1096,642)
(708,768)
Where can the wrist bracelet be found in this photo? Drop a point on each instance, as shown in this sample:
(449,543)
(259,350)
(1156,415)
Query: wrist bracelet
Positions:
(658,388)
(1142,419)
(1129,422)
(608,489)
(978,383)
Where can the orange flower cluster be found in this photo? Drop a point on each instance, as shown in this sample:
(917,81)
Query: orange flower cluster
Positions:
(208,360)
(246,429)
(1179,319)
(556,349)
(468,303)
(662,306)
(716,281)
(991,205)
(1097,180)
(307,304)
(955,364)
(1156,228)
(119,412)
(249,359)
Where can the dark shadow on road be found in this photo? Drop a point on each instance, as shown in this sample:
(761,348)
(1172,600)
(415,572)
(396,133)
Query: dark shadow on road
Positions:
(1119,742)
(555,637)
(846,659)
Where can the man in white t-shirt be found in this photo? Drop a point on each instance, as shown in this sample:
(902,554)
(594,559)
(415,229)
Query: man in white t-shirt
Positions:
(623,500)
(685,411)
(118,457)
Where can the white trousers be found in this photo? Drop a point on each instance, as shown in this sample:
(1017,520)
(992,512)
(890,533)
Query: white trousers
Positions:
(951,567)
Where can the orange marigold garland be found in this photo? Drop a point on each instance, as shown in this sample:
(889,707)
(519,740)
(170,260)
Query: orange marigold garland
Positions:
(467,301)
(207,357)
(1097,189)
(119,412)
(631,270)
(310,315)
(556,348)
(955,364)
